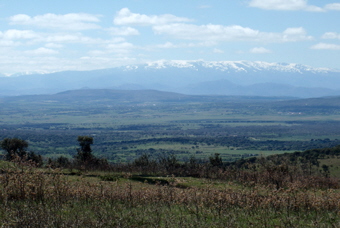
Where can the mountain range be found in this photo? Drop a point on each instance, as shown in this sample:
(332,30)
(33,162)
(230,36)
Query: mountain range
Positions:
(187,77)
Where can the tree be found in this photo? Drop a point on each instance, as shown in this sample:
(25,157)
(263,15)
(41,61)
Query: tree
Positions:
(84,154)
(14,147)
(35,158)
(216,160)
(85,158)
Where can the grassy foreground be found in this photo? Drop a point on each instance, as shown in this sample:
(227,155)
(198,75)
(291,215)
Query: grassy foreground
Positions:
(33,197)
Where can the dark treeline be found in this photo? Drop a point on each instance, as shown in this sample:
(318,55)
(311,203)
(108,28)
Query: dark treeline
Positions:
(277,170)
(110,142)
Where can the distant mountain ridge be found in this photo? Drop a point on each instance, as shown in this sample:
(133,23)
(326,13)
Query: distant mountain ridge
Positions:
(189,77)
(107,98)
(114,97)
(234,66)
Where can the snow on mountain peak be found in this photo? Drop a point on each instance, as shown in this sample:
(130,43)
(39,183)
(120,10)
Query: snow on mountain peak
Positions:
(173,63)
(235,66)
(30,73)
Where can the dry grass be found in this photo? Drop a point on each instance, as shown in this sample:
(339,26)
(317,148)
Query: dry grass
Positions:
(45,198)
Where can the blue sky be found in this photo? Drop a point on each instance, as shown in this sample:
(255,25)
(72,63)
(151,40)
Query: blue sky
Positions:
(49,36)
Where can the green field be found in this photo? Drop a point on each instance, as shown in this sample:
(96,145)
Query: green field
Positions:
(124,128)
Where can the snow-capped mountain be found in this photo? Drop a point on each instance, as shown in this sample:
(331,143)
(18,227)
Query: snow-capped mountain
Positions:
(28,73)
(191,77)
(235,66)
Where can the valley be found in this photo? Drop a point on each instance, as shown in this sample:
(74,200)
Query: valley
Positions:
(126,124)
(171,160)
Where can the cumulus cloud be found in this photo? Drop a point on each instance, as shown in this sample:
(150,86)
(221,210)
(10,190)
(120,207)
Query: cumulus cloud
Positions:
(259,50)
(333,6)
(325,46)
(124,45)
(205,32)
(51,40)
(126,17)
(295,34)
(185,45)
(119,47)
(72,21)
(167,45)
(284,5)
(331,35)
(229,33)
(42,51)
(70,38)
(14,34)
(124,31)
(53,45)
(8,43)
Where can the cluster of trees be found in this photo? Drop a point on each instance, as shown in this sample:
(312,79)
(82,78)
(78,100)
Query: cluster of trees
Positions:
(16,150)
(124,145)
(277,169)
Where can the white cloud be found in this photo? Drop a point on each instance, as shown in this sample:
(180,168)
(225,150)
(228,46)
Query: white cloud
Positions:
(123,45)
(64,38)
(295,34)
(42,51)
(126,17)
(333,6)
(53,45)
(30,37)
(331,35)
(125,31)
(70,38)
(167,45)
(212,32)
(72,21)
(8,43)
(205,32)
(218,51)
(14,34)
(314,9)
(43,60)
(115,40)
(284,5)
(324,46)
(97,53)
(259,50)
(185,45)
(120,48)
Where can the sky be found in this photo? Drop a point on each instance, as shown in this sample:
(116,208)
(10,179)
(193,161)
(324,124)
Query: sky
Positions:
(49,36)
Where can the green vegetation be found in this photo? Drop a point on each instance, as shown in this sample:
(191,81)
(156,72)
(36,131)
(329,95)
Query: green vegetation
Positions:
(98,159)
(126,124)
(16,150)
(287,190)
